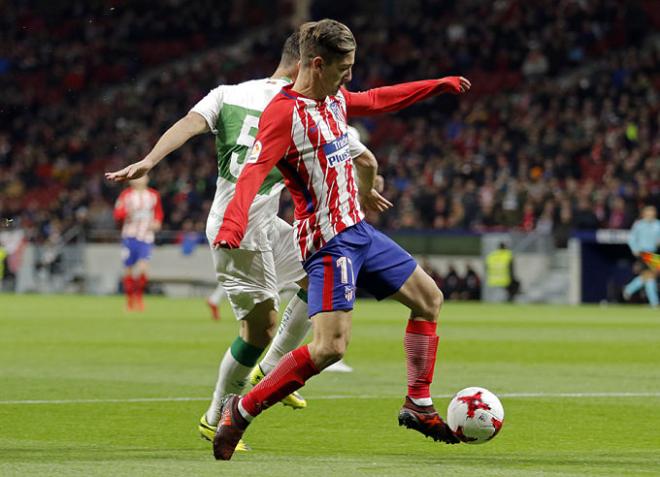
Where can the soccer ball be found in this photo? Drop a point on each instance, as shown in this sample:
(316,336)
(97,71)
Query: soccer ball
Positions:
(475,415)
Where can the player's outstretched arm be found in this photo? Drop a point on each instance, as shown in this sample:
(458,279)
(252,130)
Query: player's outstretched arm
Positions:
(370,184)
(190,125)
(399,96)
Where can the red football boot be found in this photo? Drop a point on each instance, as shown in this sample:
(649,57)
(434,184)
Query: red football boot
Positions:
(426,420)
(230,428)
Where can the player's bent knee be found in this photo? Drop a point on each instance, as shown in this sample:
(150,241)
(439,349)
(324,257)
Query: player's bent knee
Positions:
(438,301)
(327,354)
(430,304)
(259,327)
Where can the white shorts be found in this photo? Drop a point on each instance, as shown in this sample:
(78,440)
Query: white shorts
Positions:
(251,276)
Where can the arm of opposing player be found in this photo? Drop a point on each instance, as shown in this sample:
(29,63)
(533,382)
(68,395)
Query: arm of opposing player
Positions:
(176,136)
(396,97)
(271,145)
(366,168)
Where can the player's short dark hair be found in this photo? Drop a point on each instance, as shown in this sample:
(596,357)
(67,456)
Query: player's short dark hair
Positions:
(326,38)
(291,50)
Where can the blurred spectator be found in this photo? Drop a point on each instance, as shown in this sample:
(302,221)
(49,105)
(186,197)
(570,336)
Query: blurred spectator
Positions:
(500,271)
(190,237)
(453,285)
(560,131)
(3,265)
(472,285)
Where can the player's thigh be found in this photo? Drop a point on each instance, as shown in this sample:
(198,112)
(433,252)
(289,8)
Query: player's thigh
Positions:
(249,278)
(386,267)
(332,271)
(129,253)
(331,283)
(288,265)
(420,294)
(142,266)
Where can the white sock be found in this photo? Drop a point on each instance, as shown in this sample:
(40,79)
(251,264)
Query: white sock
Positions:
(246,415)
(422,401)
(293,328)
(232,377)
(217,295)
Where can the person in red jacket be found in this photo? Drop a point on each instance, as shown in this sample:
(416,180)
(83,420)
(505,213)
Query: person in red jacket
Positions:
(140,212)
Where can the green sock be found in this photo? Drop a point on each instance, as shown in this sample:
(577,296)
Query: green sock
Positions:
(302,294)
(245,353)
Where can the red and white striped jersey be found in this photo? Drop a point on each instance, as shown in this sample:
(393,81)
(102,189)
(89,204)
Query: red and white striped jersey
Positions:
(307,140)
(138,209)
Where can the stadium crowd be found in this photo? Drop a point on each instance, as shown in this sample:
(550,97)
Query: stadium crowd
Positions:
(560,132)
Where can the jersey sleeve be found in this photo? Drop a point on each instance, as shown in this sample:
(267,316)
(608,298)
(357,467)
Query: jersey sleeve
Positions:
(119,212)
(355,147)
(209,107)
(396,97)
(271,144)
(158,208)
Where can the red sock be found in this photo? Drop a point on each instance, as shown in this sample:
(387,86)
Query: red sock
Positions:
(421,345)
(141,284)
(289,375)
(129,288)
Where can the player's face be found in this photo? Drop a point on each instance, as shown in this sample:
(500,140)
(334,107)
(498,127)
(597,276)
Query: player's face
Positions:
(338,73)
(649,213)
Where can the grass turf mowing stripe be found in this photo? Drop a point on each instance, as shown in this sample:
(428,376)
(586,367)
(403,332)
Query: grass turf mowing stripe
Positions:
(337,396)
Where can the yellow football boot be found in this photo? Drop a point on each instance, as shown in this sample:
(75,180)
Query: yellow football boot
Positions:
(207,431)
(293,400)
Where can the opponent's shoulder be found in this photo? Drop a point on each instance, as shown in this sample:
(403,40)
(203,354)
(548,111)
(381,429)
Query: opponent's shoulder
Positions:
(255,89)
(280,107)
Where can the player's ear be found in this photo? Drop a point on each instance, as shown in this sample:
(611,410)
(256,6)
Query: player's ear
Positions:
(318,63)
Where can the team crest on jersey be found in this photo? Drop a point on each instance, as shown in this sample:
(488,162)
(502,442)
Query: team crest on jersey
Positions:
(254,153)
(337,151)
(348,292)
(336,109)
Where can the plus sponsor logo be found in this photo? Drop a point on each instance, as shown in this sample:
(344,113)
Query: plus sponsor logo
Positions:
(337,152)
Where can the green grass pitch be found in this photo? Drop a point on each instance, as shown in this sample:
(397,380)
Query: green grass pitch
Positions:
(87,389)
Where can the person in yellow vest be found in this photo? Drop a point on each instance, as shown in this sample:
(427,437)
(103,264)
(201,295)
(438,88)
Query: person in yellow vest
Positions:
(3,256)
(499,270)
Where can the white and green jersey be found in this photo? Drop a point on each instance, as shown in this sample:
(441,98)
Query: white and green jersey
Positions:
(232,113)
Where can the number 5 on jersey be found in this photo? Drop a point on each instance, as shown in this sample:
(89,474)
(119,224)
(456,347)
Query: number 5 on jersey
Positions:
(245,138)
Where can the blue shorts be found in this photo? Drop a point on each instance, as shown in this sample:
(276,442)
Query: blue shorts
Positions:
(359,256)
(134,250)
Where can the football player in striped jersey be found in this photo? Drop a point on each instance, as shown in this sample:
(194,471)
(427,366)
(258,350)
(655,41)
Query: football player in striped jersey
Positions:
(304,133)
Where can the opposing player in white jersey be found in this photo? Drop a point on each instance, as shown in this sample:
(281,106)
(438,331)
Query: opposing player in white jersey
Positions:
(303,132)
(266,259)
(140,212)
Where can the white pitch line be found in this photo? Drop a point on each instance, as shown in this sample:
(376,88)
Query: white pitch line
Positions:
(332,397)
